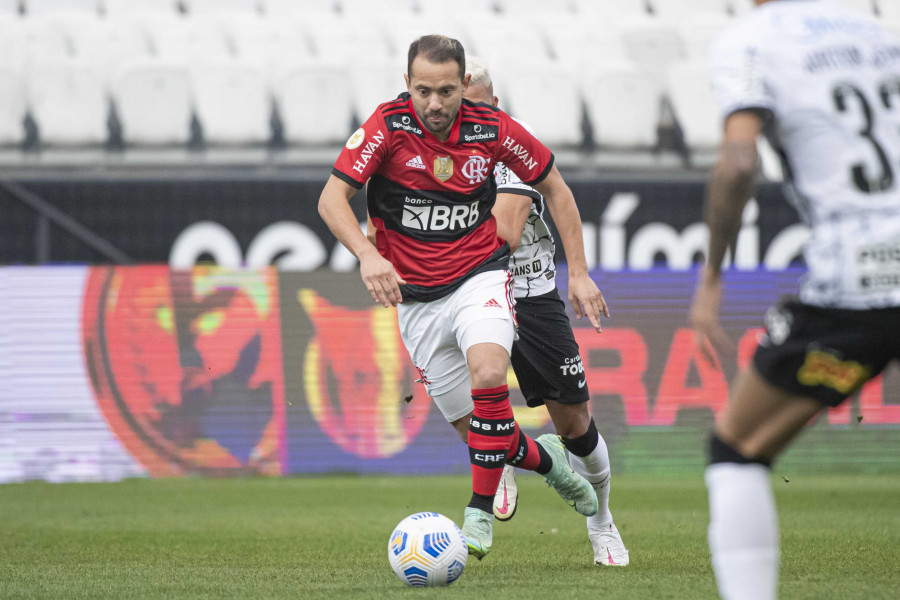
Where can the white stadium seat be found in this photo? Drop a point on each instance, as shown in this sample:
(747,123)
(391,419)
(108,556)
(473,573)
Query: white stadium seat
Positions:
(154,103)
(889,10)
(10,7)
(108,44)
(298,7)
(43,41)
(266,42)
(695,104)
(652,45)
(209,7)
(699,32)
(131,7)
(623,105)
(12,107)
(462,8)
(506,39)
(537,7)
(12,32)
(864,6)
(299,91)
(548,99)
(81,119)
(402,30)
(35,7)
(677,10)
(375,82)
(580,44)
(345,39)
(373,8)
(612,11)
(232,102)
(185,40)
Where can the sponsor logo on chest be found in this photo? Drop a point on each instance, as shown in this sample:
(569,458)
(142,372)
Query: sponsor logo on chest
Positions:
(422,215)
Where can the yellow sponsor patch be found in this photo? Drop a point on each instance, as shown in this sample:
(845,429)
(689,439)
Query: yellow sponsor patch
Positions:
(822,368)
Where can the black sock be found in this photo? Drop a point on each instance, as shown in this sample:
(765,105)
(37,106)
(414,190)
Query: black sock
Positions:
(485,503)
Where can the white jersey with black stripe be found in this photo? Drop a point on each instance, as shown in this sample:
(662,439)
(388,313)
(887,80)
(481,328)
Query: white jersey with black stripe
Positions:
(532,264)
(830,78)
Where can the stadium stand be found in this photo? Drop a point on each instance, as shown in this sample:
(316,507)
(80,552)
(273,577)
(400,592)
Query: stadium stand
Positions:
(678,10)
(109,45)
(9,7)
(82,120)
(215,7)
(185,40)
(116,8)
(375,80)
(154,103)
(695,105)
(35,7)
(653,45)
(548,99)
(623,105)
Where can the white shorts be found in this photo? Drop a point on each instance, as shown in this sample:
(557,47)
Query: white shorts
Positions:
(437,335)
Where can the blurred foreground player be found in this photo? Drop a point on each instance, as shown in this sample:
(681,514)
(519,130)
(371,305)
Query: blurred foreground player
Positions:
(824,84)
(546,358)
(428,157)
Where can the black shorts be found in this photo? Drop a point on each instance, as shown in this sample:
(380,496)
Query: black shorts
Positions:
(546,358)
(826,353)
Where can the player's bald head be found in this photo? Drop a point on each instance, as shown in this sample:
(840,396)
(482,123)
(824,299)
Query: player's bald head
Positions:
(438,49)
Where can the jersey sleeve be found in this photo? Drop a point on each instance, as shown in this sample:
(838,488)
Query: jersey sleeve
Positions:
(737,74)
(522,152)
(363,153)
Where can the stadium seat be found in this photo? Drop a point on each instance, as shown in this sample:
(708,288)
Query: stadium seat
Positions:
(699,32)
(507,39)
(623,105)
(43,41)
(35,7)
(371,8)
(153,101)
(12,107)
(740,7)
(264,41)
(653,46)
(131,7)
(695,104)
(864,6)
(299,92)
(345,39)
(553,108)
(678,10)
(401,30)
(465,9)
(9,7)
(12,36)
(211,7)
(108,44)
(611,12)
(581,43)
(375,82)
(232,102)
(522,8)
(889,10)
(69,104)
(298,7)
(185,40)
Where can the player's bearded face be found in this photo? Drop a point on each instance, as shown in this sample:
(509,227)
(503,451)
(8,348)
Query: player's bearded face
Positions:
(436,91)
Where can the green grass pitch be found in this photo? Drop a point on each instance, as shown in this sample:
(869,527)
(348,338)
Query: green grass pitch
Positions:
(326,537)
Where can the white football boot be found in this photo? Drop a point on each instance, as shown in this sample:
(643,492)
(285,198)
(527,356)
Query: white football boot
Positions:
(506,500)
(609,550)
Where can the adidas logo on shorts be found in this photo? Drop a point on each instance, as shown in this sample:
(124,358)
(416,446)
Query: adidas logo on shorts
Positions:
(416,162)
(492,304)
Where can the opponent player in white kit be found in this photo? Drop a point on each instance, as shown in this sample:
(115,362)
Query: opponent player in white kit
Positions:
(546,350)
(823,83)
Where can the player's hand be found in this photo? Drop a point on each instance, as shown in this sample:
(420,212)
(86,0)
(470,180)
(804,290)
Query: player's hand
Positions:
(704,315)
(587,300)
(380,278)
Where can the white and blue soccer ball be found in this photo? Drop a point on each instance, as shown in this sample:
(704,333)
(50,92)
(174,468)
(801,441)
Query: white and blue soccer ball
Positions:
(427,550)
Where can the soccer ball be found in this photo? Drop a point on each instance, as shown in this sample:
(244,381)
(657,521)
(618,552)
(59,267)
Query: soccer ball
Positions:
(427,550)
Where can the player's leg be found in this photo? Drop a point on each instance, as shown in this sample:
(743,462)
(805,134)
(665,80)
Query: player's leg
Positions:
(809,359)
(743,527)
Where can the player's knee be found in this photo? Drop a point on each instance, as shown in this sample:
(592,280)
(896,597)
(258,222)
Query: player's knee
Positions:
(462,428)
(722,452)
(487,374)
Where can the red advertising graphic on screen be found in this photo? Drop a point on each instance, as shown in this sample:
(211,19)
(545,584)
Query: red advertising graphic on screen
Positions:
(356,373)
(186,367)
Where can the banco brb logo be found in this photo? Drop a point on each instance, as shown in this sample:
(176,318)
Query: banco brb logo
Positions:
(439,217)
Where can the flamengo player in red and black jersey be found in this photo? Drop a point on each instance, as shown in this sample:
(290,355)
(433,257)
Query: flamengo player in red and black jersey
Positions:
(428,158)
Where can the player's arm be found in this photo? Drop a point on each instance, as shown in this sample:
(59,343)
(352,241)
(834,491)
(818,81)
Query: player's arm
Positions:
(511,212)
(370,229)
(730,186)
(584,296)
(377,273)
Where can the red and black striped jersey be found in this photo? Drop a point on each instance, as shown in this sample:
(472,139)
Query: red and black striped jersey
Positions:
(431,201)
